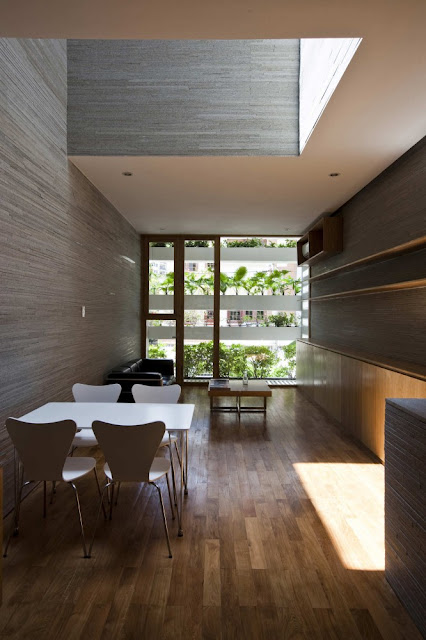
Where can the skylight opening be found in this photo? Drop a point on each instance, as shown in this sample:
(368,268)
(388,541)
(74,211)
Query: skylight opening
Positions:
(323,61)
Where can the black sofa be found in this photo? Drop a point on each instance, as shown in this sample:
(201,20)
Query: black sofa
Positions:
(150,371)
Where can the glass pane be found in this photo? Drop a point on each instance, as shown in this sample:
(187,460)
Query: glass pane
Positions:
(260,315)
(161,277)
(198,308)
(161,339)
(198,359)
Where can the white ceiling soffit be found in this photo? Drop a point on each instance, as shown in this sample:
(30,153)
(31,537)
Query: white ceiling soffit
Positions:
(376,113)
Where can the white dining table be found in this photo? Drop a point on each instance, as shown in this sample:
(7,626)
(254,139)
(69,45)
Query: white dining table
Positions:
(176,417)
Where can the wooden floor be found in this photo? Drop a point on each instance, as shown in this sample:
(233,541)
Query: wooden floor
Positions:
(283,539)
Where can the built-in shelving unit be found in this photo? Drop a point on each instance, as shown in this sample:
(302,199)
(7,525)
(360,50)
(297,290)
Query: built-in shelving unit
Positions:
(323,239)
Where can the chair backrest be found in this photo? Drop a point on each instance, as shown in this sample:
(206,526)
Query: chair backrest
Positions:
(129,450)
(42,448)
(169,394)
(96,393)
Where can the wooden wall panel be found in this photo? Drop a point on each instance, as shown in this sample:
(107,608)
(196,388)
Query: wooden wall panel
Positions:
(405,512)
(388,212)
(183,97)
(384,323)
(400,269)
(352,391)
(62,246)
(378,306)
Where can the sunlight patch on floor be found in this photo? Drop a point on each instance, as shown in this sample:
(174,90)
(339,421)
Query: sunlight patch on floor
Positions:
(349,499)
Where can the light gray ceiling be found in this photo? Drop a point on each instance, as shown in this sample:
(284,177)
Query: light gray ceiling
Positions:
(376,113)
(183,97)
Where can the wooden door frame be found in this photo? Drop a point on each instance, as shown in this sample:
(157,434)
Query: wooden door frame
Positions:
(179,296)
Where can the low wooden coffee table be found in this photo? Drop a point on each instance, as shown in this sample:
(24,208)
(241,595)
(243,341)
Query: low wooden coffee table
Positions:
(254,389)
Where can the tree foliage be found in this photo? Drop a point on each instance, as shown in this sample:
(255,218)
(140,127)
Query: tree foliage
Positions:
(260,361)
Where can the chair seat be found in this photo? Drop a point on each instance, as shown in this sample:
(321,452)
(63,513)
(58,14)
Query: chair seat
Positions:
(165,441)
(85,438)
(76,467)
(159,467)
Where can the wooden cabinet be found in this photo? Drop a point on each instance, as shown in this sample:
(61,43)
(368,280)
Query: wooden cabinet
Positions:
(323,239)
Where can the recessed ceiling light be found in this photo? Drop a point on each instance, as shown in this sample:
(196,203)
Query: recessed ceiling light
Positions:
(127,173)
(333,175)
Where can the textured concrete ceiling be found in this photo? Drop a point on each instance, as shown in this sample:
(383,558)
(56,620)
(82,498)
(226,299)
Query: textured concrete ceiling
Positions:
(376,113)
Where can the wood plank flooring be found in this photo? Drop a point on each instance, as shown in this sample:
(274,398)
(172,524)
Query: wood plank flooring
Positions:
(283,539)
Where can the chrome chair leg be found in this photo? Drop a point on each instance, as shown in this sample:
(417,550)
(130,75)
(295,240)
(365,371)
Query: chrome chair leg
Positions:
(164,518)
(179,459)
(100,493)
(118,491)
(170,496)
(53,493)
(112,500)
(14,527)
(80,518)
(106,488)
(173,470)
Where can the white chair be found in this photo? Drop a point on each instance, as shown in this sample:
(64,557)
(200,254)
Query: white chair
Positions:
(130,457)
(168,394)
(42,449)
(92,393)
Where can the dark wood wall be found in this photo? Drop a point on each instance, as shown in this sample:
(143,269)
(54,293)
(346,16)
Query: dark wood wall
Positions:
(62,246)
(405,507)
(371,298)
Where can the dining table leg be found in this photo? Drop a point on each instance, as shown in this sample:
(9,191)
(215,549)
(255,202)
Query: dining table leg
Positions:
(181,489)
(186,463)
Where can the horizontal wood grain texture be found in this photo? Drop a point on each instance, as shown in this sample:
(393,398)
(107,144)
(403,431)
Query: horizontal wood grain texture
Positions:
(62,246)
(1,533)
(275,505)
(353,392)
(387,324)
(183,97)
(405,511)
(384,315)
(386,213)
(410,266)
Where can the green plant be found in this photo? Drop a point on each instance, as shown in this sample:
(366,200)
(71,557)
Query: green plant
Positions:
(288,369)
(190,283)
(205,282)
(154,351)
(261,360)
(260,284)
(198,359)
(288,244)
(225,283)
(284,320)
(167,285)
(247,242)
(193,318)
(238,278)
(278,319)
(161,244)
(232,360)
(294,284)
(277,281)
(197,243)
(154,282)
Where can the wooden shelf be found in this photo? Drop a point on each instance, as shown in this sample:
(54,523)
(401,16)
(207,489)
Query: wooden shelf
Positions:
(323,239)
